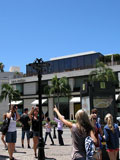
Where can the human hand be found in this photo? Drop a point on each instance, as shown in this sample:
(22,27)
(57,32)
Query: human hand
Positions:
(16,108)
(55,108)
(33,108)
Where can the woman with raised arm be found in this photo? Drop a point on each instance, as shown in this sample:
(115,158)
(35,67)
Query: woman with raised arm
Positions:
(11,134)
(111,132)
(79,131)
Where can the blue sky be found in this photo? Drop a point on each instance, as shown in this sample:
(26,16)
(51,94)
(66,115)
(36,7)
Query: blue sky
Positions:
(31,29)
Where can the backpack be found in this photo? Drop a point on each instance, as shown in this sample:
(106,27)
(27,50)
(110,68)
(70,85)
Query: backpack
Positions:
(90,148)
(4,126)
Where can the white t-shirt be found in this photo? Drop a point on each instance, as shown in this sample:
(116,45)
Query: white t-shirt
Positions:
(12,125)
(48,128)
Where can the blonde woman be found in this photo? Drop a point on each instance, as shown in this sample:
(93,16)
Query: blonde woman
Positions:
(111,132)
(79,131)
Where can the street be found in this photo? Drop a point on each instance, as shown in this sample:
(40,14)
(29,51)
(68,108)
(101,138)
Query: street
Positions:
(55,152)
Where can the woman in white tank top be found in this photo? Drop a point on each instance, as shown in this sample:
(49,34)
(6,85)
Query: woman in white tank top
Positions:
(11,133)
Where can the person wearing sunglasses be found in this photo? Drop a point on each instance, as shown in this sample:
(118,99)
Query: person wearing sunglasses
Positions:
(97,132)
(94,111)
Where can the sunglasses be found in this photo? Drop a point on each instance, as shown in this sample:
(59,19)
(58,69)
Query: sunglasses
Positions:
(94,113)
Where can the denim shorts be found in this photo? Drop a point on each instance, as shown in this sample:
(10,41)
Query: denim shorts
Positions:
(23,134)
(11,137)
(35,134)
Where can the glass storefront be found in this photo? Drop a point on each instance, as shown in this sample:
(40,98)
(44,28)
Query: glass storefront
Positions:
(77,106)
(63,106)
(19,87)
(78,81)
(68,64)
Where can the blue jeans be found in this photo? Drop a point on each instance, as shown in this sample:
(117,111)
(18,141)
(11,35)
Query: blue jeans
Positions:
(11,137)
(25,132)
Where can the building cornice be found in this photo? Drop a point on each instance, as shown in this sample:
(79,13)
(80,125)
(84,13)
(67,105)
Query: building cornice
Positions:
(68,74)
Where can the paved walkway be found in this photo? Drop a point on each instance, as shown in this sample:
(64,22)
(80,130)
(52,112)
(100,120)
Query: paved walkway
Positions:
(55,152)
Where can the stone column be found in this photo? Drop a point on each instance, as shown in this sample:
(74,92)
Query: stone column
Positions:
(50,105)
(50,108)
(71,105)
(119,78)
(71,83)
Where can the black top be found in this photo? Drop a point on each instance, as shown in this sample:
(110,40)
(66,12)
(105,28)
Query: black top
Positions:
(24,119)
(35,124)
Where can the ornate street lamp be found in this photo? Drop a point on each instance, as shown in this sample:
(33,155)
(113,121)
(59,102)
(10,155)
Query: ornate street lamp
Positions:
(39,66)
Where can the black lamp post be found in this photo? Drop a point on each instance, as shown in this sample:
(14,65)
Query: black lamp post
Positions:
(39,65)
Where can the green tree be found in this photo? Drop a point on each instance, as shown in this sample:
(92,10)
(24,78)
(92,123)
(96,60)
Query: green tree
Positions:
(59,87)
(102,73)
(18,75)
(7,91)
(1,67)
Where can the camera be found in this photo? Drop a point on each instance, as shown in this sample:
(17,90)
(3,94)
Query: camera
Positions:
(14,107)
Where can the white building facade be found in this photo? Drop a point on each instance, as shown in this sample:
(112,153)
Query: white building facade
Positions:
(75,67)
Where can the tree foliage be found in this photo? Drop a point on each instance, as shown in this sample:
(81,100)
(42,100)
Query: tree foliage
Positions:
(102,73)
(7,91)
(1,67)
(59,87)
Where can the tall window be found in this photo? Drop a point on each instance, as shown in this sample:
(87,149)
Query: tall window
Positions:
(44,83)
(61,65)
(55,64)
(19,87)
(78,82)
(74,63)
(88,61)
(80,62)
(67,63)
(63,106)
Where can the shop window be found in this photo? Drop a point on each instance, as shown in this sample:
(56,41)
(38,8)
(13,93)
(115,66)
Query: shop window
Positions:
(63,106)
(19,87)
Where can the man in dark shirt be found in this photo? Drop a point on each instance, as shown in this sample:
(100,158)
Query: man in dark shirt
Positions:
(25,121)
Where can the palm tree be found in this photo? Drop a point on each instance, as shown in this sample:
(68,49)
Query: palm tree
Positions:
(7,90)
(102,73)
(17,75)
(60,87)
(1,67)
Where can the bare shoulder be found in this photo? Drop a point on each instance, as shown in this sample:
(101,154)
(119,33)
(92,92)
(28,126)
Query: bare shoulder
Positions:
(8,114)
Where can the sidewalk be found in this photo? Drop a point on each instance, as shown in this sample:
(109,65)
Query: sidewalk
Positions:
(55,152)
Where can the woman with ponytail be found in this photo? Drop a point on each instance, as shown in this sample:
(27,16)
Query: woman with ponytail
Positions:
(79,131)
(111,132)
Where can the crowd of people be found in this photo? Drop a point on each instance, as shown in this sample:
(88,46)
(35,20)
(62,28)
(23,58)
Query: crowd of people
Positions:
(86,130)
(90,127)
